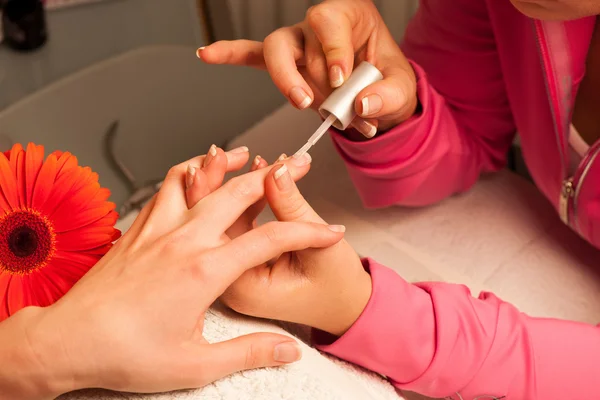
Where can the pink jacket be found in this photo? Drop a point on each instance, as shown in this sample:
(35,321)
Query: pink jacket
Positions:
(484,72)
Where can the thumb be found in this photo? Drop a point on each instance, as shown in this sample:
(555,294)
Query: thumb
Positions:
(285,200)
(257,350)
(392,99)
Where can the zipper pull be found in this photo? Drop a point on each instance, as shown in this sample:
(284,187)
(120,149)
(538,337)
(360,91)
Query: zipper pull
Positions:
(565,195)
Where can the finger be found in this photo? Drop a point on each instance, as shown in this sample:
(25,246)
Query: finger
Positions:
(257,350)
(316,64)
(223,207)
(261,245)
(367,128)
(390,98)
(237,52)
(215,167)
(282,49)
(286,201)
(247,221)
(332,26)
(202,180)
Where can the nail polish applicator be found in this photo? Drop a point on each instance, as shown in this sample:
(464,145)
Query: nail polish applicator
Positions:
(338,108)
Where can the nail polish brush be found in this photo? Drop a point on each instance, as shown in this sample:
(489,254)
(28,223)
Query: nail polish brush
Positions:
(338,108)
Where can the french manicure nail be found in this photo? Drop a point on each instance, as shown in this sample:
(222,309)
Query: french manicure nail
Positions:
(200,51)
(190,175)
(336,76)
(282,177)
(238,150)
(300,98)
(257,160)
(212,152)
(337,228)
(371,104)
(287,352)
(282,157)
(305,159)
(368,130)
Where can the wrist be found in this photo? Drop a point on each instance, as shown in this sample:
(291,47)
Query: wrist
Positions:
(50,355)
(349,305)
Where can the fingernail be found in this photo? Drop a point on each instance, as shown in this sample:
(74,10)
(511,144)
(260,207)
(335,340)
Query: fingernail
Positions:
(199,51)
(257,160)
(287,352)
(282,177)
(212,152)
(368,130)
(371,104)
(242,149)
(337,228)
(282,157)
(189,176)
(300,98)
(336,76)
(303,160)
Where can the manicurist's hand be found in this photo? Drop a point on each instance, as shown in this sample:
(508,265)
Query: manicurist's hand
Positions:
(134,323)
(326,288)
(308,60)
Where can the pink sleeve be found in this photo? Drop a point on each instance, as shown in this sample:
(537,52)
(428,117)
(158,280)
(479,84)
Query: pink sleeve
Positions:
(465,124)
(437,340)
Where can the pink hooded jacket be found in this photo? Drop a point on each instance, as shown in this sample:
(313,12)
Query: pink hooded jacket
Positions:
(484,72)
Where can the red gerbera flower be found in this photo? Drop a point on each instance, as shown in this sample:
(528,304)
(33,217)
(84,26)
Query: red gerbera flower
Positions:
(55,224)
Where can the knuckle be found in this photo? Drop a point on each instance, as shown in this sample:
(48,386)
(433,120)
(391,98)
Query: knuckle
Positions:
(239,188)
(296,208)
(318,15)
(274,37)
(252,359)
(272,232)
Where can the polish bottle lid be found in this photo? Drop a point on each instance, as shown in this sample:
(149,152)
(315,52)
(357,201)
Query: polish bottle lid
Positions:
(340,102)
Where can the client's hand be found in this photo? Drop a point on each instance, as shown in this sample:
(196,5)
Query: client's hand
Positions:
(134,322)
(325,288)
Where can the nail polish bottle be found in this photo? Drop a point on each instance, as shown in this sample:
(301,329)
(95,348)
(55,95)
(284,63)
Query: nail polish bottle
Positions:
(24,24)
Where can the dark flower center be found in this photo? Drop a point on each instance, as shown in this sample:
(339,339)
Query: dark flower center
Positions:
(26,242)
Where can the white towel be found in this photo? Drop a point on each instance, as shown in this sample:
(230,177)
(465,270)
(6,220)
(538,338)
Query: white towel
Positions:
(316,377)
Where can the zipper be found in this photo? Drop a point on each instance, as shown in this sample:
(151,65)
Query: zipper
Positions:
(568,188)
(566,194)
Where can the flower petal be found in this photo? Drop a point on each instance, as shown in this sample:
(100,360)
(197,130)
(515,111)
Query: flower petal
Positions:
(84,218)
(45,292)
(44,183)
(84,238)
(82,260)
(63,189)
(4,282)
(76,202)
(20,169)
(8,182)
(34,158)
(16,294)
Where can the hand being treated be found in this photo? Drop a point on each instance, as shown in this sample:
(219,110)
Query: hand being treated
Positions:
(308,60)
(134,323)
(325,287)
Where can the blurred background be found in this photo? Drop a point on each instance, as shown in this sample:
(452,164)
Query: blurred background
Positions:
(127,70)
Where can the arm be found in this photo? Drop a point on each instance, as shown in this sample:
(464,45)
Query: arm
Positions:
(464,126)
(436,339)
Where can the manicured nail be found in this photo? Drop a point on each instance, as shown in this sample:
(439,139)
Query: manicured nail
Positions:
(200,51)
(189,176)
(303,160)
(282,157)
(257,160)
(212,152)
(337,228)
(370,105)
(368,130)
(282,177)
(336,76)
(242,149)
(287,352)
(300,98)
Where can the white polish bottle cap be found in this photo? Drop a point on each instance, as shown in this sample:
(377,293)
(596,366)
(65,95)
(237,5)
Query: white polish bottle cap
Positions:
(340,102)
